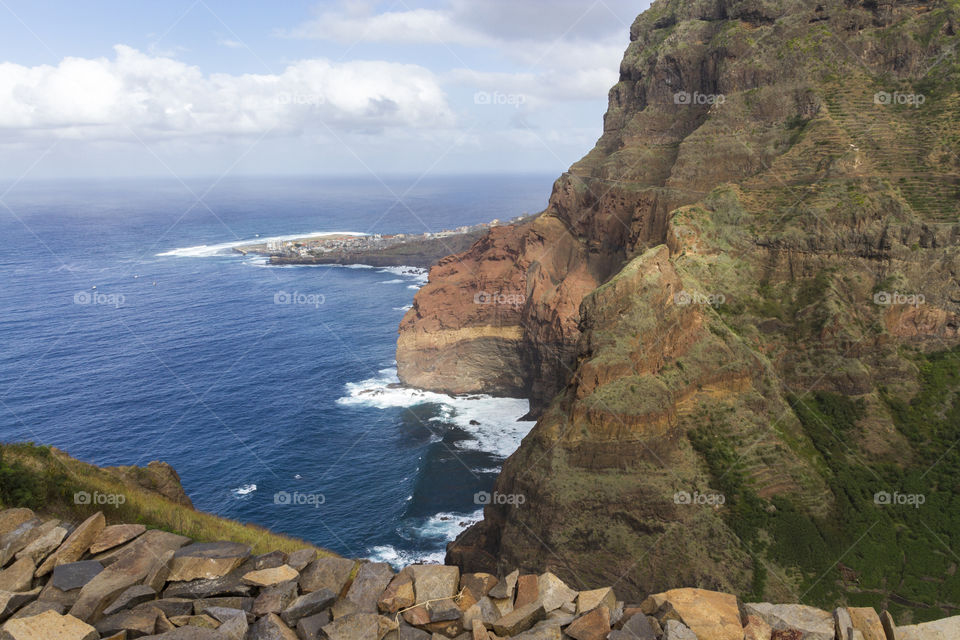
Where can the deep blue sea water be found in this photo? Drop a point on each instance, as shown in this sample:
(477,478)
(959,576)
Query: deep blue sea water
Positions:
(181,353)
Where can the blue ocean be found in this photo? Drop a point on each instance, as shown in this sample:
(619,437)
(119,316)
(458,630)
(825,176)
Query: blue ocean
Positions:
(132,332)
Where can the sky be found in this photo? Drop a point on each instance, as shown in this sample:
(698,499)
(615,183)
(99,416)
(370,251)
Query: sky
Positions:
(212,87)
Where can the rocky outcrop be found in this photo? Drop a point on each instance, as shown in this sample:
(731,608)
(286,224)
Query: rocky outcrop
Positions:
(159,477)
(769,220)
(279,596)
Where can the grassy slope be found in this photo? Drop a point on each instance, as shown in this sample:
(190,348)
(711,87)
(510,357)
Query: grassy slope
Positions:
(46,480)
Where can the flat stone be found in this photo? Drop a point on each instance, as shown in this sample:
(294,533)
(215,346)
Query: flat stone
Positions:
(207,560)
(136,622)
(527,590)
(943,629)
(76,544)
(520,619)
(545,630)
(300,558)
(115,535)
(446,628)
(476,585)
(50,593)
(711,615)
(48,625)
(358,625)
(37,607)
(307,605)
(406,632)
(11,519)
(160,571)
(235,628)
(275,599)
(270,560)
(372,578)
(241,603)
(170,607)
(434,581)
(815,624)
(131,597)
(796,634)
(605,597)
(270,577)
(399,594)
(271,627)
(202,620)
(866,621)
(554,591)
(74,575)
(676,630)
(503,605)
(187,633)
(10,601)
(326,573)
(45,544)
(14,541)
(18,576)
(130,568)
(593,625)
(310,628)
(505,588)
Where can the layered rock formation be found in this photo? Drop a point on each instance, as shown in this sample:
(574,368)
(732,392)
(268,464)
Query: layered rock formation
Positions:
(731,296)
(155,584)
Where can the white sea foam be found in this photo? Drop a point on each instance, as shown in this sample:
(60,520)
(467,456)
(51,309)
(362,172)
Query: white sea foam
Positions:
(208,250)
(403,308)
(497,429)
(441,528)
(396,558)
(394,281)
(245,490)
(417,273)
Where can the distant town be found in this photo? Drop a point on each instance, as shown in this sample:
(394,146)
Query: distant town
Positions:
(399,249)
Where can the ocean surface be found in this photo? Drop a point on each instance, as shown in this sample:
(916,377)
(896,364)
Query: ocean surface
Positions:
(129,332)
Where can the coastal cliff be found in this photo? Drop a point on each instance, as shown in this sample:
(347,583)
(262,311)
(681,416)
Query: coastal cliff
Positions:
(736,318)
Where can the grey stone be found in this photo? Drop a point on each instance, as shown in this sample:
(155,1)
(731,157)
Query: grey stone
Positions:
(505,587)
(37,607)
(520,619)
(171,607)
(10,602)
(270,560)
(943,629)
(18,576)
(300,558)
(275,599)
(637,627)
(207,560)
(307,605)
(17,538)
(326,573)
(545,630)
(310,628)
(271,627)
(235,627)
(357,625)
(815,624)
(675,630)
(75,575)
(137,594)
(45,544)
(136,622)
(187,633)
(372,578)
(243,603)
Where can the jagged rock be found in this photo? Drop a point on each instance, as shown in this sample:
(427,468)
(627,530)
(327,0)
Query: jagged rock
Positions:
(10,601)
(136,622)
(130,568)
(18,576)
(527,590)
(75,575)
(605,597)
(676,630)
(233,603)
(943,629)
(50,593)
(815,624)
(399,594)
(115,535)
(842,624)
(234,627)
(503,605)
(307,605)
(76,544)
(545,630)
(188,633)
(594,625)
(12,519)
(275,599)
(207,560)
(372,578)
(19,537)
(202,620)
(270,560)
(48,625)
(866,621)
(484,611)
(326,573)
(358,625)
(45,542)
(560,617)
(504,588)
(757,629)
(271,627)
(170,607)
(300,558)
(310,628)
(709,614)
(433,582)
(476,585)
(448,628)
(406,632)
(554,592)
(520,619)
(37,607)
(638,627)
(889,626)
(131,597)
(160,571)
(271,577)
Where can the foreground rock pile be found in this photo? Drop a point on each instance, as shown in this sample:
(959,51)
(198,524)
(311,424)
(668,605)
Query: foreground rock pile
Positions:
(99,582)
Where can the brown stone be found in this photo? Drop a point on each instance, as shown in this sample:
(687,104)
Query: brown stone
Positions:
(300,558)
(786,634)
(371,580)
(275,599)
(37,607)
(45,543)
(201,620)
(398,595)
(307,605)
(711,615)
(326,573)
(358,625)
(605,597)
(49,625)
(310,628)
(115,535)
(520,619)
(207,560)
(867,622)
(10,601)
(756,629)
(76,544)
(528,590)
(553,592)
(505,588)
(477,585)
(136,622)
(594,625)
(18,576)
(271,577)
(10,519)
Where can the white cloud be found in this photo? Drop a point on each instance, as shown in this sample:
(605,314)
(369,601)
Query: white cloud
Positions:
(159,97)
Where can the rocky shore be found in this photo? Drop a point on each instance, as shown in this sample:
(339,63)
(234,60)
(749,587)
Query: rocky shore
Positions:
(90,581)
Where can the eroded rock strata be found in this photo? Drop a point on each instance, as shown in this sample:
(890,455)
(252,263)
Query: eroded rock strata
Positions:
(740,293)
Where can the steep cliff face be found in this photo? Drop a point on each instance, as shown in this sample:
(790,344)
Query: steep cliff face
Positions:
(731,313)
